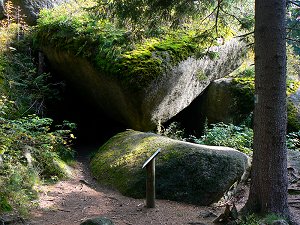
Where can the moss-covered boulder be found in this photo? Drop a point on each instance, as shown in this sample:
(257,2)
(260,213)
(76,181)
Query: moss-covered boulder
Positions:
(137,82)
(293,107)
(228,100)
(231,100)
(159,100)
(185,172)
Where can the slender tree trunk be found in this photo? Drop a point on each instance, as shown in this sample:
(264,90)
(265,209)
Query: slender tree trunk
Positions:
(268,190)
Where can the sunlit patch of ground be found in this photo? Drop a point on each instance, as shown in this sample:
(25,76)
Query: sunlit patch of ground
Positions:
(72,201)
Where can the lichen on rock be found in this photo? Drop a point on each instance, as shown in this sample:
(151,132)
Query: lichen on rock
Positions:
(231,100)
(185,172)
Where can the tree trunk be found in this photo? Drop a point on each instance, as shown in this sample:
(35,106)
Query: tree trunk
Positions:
(268,190)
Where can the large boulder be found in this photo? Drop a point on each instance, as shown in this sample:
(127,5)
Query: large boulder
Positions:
(228,100)
(139,82)
(162,98)
(31,8)
(293,106)
(231,100)
(185,172)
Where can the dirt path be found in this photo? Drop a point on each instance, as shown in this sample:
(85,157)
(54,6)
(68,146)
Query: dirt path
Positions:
(72,201)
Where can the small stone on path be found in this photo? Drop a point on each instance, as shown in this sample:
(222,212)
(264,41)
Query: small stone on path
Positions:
(98,221)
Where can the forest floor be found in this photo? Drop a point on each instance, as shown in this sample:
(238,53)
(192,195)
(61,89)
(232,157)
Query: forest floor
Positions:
(72,201)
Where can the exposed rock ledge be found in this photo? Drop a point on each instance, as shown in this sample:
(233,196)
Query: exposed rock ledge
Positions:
(162,99)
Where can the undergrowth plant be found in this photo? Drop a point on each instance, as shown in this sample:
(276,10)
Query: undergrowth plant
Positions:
(253,219)
(32,148)
(173,130)
(20,79)
(221,134)
(239,137)
(293,140)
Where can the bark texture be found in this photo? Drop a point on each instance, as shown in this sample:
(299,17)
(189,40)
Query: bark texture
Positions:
(268,190)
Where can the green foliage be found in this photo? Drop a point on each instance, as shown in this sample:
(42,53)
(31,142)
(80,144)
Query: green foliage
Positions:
(293,66)
(243,90)
(293,25)
(30,150)
(251,219)
(31,147)
(174,131)
(293,140)
(4,205)
(292,86)
(20,79)
(270,218)
(220,134)
(248,72)
(151,14)
(134,56)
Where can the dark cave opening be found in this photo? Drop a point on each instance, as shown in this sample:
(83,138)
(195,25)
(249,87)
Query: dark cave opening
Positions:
(94,127)
(191,118)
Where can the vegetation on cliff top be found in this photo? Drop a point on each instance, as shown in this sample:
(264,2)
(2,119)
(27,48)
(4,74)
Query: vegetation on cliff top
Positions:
(137,56)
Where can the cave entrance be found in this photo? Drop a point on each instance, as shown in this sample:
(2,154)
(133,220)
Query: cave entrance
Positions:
(94,127)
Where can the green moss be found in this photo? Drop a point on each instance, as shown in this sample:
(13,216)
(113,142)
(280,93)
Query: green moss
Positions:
(292,110)
(243,90)
(293,116)
(292,86)
(201,75)
(181,168)
(115,50)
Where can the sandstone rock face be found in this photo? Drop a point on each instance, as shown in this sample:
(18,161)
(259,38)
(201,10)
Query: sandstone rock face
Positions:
(31,8)
(185,172)
(162,99)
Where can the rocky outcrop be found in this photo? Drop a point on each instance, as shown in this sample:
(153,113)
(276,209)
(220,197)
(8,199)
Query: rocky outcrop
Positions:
(185,172)
(228,100)
(218,102)
(231,100)
(31,8)
(157,102)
